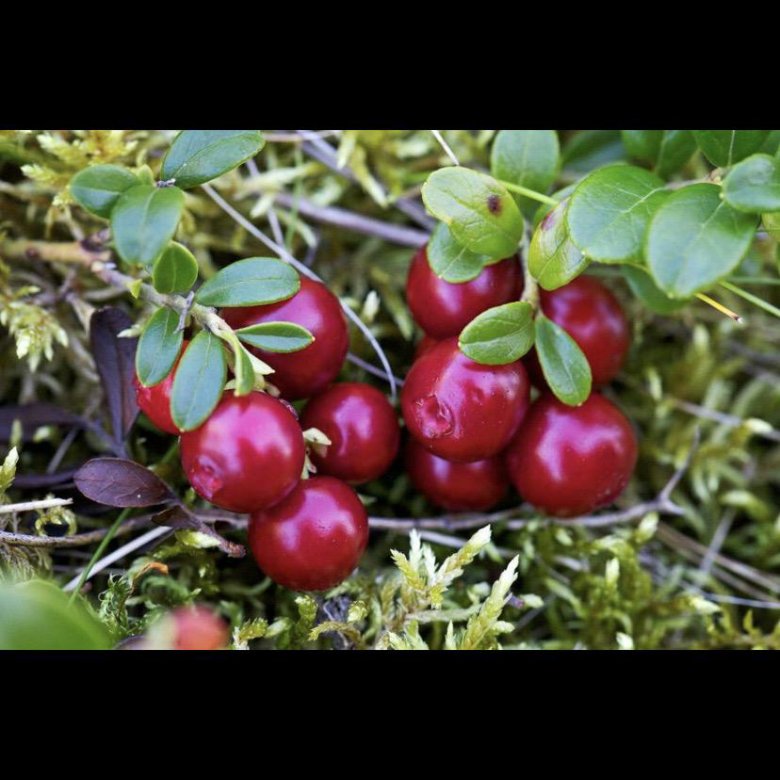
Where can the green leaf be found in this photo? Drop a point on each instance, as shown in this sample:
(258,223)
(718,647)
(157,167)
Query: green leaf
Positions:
(726,147)
(243,370)
(565,367)
(666,150)
(175,270)
(553,259)
(499,335)
(545,208)
(450,260)
(255,281)
(479,211)
(98,188)
(643,286)
(144,220)
(36,615)
(590,149)
(529,158)
(609,212)
(200,379)
(754,185)
(158,347)
(198,156)
(276,336)
(695,239)
(772,225)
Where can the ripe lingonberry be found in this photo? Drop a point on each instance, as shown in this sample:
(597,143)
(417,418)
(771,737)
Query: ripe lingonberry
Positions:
(314,538)
(362,427)
(155,401)
(249,454)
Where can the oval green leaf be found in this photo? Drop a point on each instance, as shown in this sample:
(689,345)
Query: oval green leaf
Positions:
(450,260)
(199,382)
(609,212)
(726,147)
(98,188)
(251,282)
(553,259)
(158,347)
(666,150)
(529,158)
(499,335)
(589,149)
(545,208)
(276,336)
(198,156)
(754,185)
(479,211)
(695,239)
(653,298)
(563,363)
(175,270)
(144,220)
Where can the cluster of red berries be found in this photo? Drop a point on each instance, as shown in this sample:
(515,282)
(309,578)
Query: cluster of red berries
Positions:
(474,428)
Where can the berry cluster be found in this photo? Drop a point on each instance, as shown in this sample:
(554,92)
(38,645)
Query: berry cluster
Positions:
(474,428)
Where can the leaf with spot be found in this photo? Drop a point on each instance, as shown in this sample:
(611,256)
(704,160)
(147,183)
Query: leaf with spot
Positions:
(282,337)
(726,147)
(175,270)
(480,212)
(753,185)
(499,335)
(450,260)
(120,483)
(200,380)
(553,259)
(198,156)
(696,239)
(609,212)
(158,347)
(563,363)
(98,187)
(255,281)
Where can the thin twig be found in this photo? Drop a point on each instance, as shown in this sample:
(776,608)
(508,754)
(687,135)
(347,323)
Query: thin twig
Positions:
(730,420)
(444,145)
(77,540)
(29,506)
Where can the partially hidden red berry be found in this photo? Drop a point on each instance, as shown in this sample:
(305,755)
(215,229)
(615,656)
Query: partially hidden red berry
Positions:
(155,401)
(249,454)
(313,539)
(362,427)
(459,487)
(423,345)
(570,460)
(460,410)
(198,628)
(443,309)
(310,370)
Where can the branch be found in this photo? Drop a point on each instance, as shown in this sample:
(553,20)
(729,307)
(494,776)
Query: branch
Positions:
(77,540)
(28,506)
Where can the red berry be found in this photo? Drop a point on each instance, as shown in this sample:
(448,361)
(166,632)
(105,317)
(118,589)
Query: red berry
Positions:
(423,345)
(460,410)
(155,402)
(248,455)
(310,370)
(362,427)
(458,487)
(570,460)
(198,628)
(443,309)
(594,318)
(313,539)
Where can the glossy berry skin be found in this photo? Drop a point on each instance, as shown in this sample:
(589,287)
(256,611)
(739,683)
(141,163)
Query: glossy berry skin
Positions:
(424,345)
(443,309)
(362,427)
(248,455)
(594,318)
(155,402)
(567,460)
(459,487)
(198,628)
(460,410)
(310,370)
(313,539)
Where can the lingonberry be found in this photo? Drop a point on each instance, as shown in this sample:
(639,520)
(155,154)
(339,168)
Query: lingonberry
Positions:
(185,628)
(443,309)
(423,345)
(314,538)
(568,460)
(249,453)
(362,427)
(459,487)
(310,370)
(460,410)
(594,318)
(155,401)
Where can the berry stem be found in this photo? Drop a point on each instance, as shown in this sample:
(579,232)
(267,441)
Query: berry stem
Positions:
(533,194)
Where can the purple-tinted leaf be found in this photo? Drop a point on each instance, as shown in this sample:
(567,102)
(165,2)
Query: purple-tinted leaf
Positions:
(33,416)
(120,483)
(115,361)
(37,481)
(180,519)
